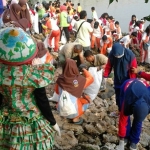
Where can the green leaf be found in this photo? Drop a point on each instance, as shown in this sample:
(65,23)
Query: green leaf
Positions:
(23,47)
(6,35)
(16,49)
(147,18)
(146,1)
(10,53)
(19,44)
(110,1)
(4,41)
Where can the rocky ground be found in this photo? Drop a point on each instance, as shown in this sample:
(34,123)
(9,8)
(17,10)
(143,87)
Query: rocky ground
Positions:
(99,130)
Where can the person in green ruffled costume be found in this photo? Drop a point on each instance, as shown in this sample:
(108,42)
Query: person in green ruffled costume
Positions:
(26,120)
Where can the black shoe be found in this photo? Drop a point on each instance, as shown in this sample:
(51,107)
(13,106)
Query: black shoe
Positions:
(141,63)
(49,49)
(144,64)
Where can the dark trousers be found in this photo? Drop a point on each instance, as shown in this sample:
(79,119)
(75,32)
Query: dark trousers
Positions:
(40,27)
(65,29)
(117,93)
(132,132)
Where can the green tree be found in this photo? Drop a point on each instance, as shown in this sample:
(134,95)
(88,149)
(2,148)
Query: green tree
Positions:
(19,47)
(10,53)
(5,38)
(2,52)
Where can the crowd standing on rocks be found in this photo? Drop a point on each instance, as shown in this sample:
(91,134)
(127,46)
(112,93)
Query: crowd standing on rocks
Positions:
(62,72)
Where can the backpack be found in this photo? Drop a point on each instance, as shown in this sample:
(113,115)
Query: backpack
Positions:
(65,105)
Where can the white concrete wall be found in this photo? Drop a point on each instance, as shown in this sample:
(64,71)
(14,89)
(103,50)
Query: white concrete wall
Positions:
(121,11)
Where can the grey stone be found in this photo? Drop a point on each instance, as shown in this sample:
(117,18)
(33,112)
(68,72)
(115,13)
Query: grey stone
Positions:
(90,147)
(91,129)
(110,138)
(66,141)
(145,139)
(109,92)
(77,129)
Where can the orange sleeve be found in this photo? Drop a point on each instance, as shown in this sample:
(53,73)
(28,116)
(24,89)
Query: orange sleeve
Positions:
(110,42)
(49,58)
(56,89)
(89,78)
(111,26)
(49,24)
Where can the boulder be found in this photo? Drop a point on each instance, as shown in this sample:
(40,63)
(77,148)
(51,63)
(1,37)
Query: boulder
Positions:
(90,147)
(110,138)
(77,129)
(109,92)
(144,139)
(66,141)
(91,129)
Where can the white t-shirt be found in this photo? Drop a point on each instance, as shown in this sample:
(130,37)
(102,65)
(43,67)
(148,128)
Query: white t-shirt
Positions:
(144,37)
(107,27)
(83,36)
(94,15)
(54,24)
(100,22)
(126,40)
(136,29)
(142,28)
(96,32)
(73,21)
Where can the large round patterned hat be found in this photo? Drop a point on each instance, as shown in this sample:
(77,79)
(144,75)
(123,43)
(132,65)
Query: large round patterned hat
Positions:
(16,46)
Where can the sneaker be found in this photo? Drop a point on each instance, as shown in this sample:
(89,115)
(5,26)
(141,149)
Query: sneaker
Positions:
(133,146)
(125,141)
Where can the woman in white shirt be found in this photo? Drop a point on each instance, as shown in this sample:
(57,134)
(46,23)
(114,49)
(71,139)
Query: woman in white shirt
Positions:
(96,35)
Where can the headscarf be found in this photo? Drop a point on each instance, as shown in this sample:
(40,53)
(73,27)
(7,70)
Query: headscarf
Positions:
(22,23)
(121,65)
(63,8)
(24,13)
(41,49)
(71,80)
(14,9)
(22,2)
(137,90)
(6,16)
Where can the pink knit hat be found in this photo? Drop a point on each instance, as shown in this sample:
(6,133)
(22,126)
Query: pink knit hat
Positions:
(63,8)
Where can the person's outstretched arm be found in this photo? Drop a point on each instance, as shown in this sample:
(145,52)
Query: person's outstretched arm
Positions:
(43,104)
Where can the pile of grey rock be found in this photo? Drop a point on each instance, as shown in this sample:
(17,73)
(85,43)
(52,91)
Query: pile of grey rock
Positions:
(99,130)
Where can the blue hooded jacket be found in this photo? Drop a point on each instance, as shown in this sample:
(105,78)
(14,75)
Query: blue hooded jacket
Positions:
(136,91)
(121,65)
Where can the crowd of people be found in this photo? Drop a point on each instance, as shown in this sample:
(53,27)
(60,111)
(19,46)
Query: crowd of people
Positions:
(27,67)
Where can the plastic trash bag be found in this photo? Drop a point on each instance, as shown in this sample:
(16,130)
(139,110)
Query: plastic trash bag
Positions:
(93,89)
(55,97)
